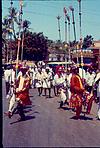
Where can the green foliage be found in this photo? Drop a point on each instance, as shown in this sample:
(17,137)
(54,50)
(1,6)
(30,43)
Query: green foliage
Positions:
(35,46)
(87,42)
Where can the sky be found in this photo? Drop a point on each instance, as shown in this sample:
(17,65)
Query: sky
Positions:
(42,15)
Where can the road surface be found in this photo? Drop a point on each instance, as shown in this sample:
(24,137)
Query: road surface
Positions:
(48,126)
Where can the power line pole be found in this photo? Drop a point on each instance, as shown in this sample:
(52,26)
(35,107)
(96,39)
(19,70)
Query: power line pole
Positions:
(21,14)
(68,18)
(19,38)
(58,18)
(65,13)
(80,18)
(73,21)
(11,28)
(79,1)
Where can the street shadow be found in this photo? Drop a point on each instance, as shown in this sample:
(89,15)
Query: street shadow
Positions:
(47,97)
(28,110)
(25,111)
(43,95)
(64,108)
(36,112)
(29,106)
(85,118)
(81,118)
(26,118)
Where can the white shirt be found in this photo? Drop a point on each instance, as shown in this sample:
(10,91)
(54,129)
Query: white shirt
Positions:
(7,75)
(39,77)
(68,79)
(62,95)
(82,73)
(90,79)
(19,74)
(13,75)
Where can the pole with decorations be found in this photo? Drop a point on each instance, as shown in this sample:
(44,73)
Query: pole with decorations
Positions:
(11,33)
(19,38)
(80,24)
(11,28)
(58,18)
(68,18)
(73,22)
(21,14)
(65,14)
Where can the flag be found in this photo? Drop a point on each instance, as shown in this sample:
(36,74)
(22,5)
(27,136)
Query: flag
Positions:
(68,18)
(71,8)
(21,3)
(65,11)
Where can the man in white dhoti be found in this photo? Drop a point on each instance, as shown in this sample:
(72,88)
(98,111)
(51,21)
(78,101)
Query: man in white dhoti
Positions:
(7,77)
(47,78)
(39,81)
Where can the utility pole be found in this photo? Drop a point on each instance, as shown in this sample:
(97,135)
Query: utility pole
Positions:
(11,29)
(80,24)
(68,18)
(73,21)
(19,38)
(82,63)
(21,14)
(58,18)
(65,13)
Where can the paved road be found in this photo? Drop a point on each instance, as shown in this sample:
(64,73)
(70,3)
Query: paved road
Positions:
(46,125)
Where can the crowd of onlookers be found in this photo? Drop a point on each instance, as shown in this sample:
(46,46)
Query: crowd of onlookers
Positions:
(58,79)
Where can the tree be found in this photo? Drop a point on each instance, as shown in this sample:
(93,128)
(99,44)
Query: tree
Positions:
(13,18)
(35,46)
(87,42)
(8,23)
(26,25)
(8,32)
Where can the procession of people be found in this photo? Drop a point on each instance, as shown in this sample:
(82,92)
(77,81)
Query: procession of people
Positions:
(74,91)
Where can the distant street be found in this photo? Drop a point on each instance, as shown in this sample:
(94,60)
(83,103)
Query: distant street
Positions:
(46,125)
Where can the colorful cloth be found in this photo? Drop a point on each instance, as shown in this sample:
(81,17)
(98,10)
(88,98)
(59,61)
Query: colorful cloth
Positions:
(77,89)
(75,101)
(23,95)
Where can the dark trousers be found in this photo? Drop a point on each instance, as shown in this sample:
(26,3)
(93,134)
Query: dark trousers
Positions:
(7,87)
(21,111)
(40,90)
(45,91)
(89,89)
